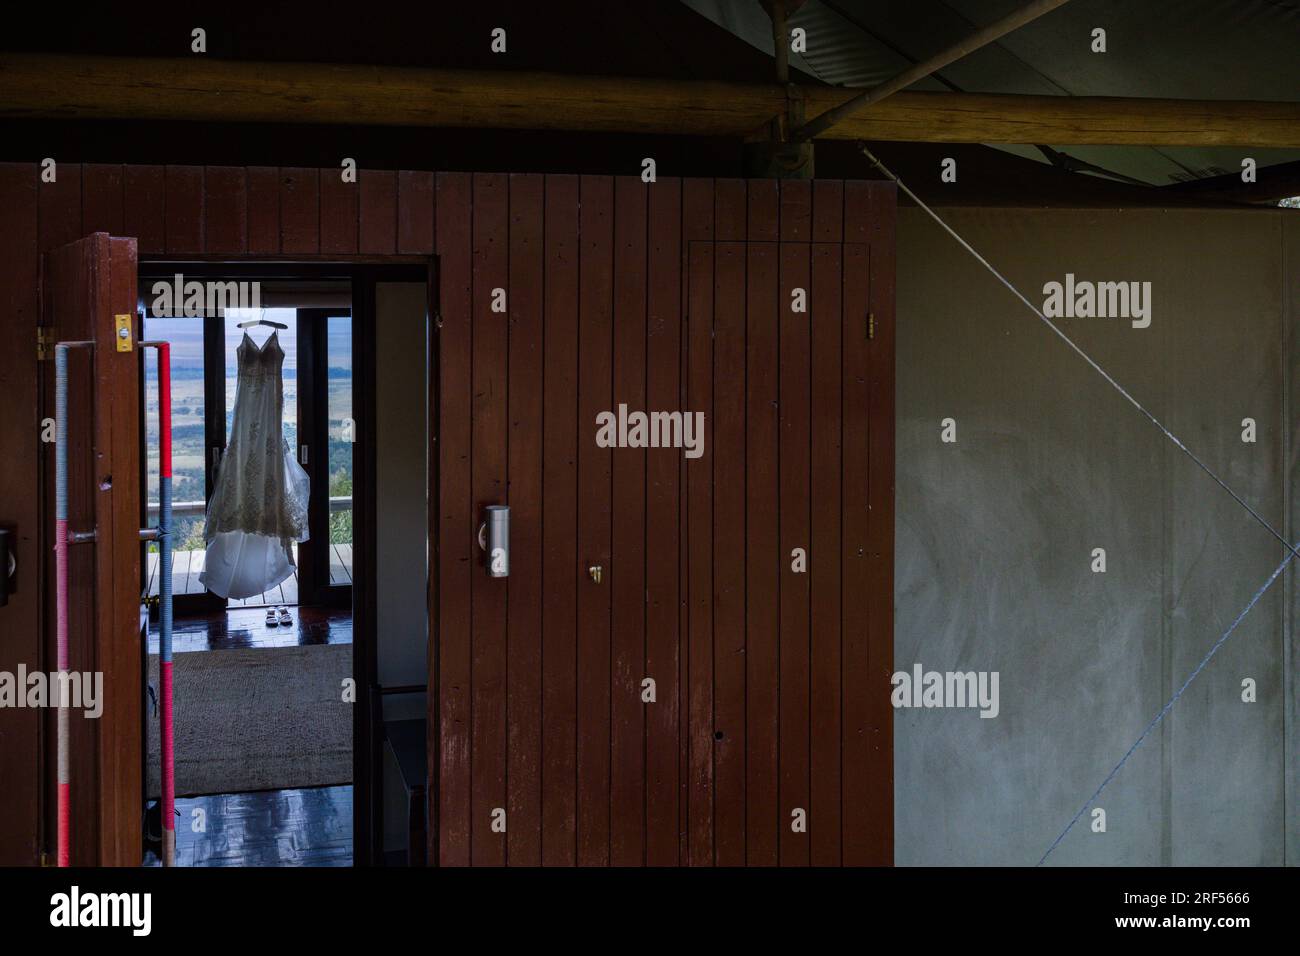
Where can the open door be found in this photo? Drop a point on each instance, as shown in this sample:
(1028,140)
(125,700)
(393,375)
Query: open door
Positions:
(89,295)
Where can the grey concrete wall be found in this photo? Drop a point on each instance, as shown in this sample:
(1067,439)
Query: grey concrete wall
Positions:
(995,534)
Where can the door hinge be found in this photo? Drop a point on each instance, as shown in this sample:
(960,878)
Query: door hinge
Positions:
(44,343)
(871,325)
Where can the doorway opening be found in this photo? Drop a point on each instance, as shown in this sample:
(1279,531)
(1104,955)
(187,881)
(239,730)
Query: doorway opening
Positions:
(277,709)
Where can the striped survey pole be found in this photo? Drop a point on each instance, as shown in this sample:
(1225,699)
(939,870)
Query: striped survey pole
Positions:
(166,738)
(61,590)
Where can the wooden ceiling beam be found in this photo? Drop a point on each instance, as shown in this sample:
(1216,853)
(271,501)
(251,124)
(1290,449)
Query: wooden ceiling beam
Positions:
(198,88)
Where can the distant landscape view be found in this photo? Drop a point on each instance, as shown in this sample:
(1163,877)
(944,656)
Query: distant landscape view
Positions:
(189,445)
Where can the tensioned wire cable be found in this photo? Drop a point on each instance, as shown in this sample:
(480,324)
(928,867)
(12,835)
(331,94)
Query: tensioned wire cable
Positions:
(1291,550)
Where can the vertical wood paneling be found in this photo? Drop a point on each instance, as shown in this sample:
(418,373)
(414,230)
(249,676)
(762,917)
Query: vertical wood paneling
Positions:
(796,210)
(697,230)
(415,213)
(102,199)
(524,623)
(595,340)
(225,204)
(828,210)
(339,225)
(488,439)
(19,512)
(378,211)
(729,478)
(145,212)
(627,551)
(824,571)
(860,787)
(880,519)
(60,208)
(663,497)
(184,208)
(457,523)
(772,690)
(729,210)
(263,209)
(763,220)
(728,453)
(793,458)
(826,815)
(561,571)
(762,547)
(299,210)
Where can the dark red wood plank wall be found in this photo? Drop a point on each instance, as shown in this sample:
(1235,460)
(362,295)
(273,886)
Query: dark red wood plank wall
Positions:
(770,685)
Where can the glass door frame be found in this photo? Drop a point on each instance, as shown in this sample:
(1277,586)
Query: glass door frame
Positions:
(314,584)
(202,603)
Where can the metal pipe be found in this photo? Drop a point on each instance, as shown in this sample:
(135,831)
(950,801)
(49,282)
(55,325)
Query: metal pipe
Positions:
(63,762)
(166,737)
(982,37)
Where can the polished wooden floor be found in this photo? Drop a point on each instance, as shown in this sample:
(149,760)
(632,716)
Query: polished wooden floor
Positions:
(299,827)
(246,627)
(307,827)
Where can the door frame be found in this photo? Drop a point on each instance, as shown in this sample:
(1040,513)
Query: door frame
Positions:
(314,583)
(364,272)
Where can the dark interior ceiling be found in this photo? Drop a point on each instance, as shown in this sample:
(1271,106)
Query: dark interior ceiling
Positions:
(1175,49)
(668,38)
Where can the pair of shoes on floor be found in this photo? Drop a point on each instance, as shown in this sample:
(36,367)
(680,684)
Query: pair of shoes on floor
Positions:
(280,615)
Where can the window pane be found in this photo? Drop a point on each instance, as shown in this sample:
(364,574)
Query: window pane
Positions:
(338,351)
(259,334)
(188,485)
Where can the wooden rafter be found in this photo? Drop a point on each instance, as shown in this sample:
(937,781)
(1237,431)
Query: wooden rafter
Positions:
(84,87)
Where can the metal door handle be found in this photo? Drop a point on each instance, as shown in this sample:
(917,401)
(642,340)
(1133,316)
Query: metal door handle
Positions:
(596,572)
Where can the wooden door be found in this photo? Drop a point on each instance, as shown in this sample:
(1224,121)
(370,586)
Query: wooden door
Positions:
(86,285)
(750,578)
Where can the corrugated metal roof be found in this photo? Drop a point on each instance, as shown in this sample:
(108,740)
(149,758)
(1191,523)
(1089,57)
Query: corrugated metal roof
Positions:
(1191,49)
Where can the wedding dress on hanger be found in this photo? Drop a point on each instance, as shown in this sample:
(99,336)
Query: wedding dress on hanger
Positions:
(259,506)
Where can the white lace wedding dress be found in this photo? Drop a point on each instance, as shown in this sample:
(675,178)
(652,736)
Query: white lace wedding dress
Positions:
(259,506)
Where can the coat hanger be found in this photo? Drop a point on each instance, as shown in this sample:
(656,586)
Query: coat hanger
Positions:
(261,320)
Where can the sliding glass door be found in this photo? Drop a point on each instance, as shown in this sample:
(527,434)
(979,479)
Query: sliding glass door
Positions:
(325,440)
(317,424)
(192,399)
